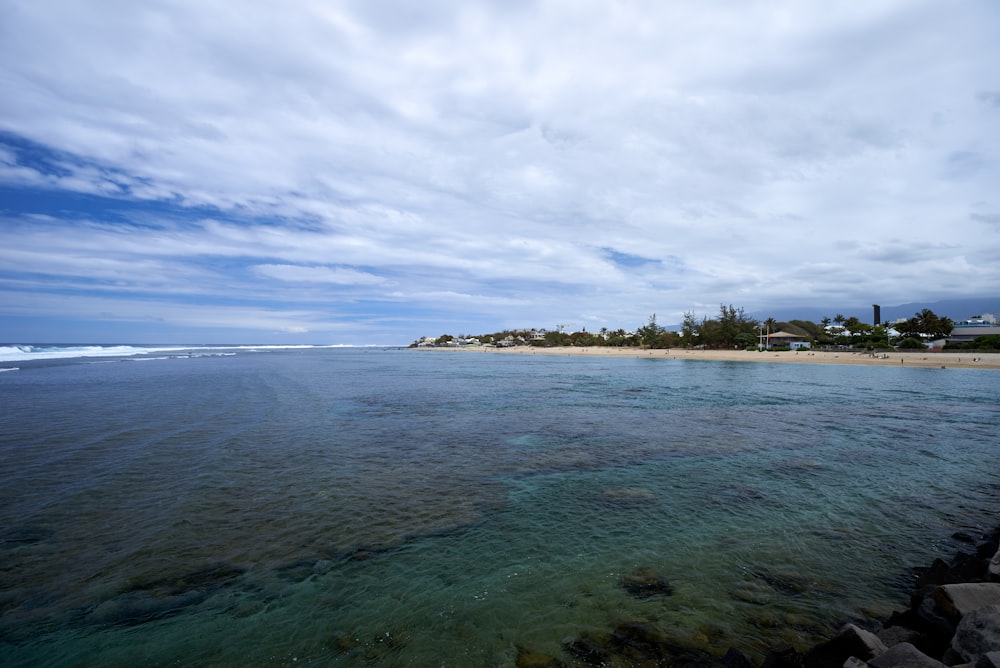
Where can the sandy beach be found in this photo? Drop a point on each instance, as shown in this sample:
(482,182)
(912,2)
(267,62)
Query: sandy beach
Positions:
(928,359)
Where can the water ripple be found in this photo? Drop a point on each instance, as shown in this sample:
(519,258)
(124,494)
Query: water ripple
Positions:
(353,507)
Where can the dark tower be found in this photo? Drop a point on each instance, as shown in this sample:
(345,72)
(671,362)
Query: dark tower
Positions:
(878,315)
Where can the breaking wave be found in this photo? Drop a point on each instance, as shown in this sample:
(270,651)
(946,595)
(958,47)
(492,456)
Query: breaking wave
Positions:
(25,352)
(20,353)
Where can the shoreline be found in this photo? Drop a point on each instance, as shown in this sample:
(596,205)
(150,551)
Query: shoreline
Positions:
(920,359)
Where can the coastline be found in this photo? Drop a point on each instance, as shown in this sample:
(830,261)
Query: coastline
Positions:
(922,359)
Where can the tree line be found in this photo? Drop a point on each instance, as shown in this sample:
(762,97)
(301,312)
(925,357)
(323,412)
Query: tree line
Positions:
(733,328)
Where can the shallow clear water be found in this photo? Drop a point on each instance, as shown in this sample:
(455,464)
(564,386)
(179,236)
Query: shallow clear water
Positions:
(386,507)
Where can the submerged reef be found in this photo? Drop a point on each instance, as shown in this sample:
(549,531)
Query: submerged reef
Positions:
(953,620)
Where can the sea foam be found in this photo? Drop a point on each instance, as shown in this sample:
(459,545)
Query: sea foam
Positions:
(24,352)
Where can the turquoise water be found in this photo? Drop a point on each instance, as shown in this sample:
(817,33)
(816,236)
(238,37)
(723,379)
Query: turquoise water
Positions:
(386,507)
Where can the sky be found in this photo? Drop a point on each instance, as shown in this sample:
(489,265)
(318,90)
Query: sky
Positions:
(370,172)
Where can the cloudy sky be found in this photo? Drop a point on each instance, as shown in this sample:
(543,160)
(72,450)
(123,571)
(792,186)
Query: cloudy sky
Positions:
(371,172)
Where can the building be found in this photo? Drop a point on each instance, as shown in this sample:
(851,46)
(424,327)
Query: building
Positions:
(976,326)
(786,340)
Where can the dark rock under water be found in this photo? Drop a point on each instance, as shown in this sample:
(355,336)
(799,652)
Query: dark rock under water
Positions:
(931,632)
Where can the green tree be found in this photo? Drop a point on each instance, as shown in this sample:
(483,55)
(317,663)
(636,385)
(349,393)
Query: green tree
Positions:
(669,340)
(619,338)
(585,338)
(879,337)
(926,324)
(910,329)
(708,333)
(732,322)
(810,328)
(934,326)
(857,331)
(767,327)
(746,340)
(860,331)
(989,342)
(556,338)
(690,329)
(649,334)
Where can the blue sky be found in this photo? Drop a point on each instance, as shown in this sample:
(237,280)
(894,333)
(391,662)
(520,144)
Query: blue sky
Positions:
(372,172)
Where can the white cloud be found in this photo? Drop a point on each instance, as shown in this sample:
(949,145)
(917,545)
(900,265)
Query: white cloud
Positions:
(494,149)
(300,274)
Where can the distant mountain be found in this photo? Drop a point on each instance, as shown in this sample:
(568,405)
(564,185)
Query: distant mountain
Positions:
(956,309)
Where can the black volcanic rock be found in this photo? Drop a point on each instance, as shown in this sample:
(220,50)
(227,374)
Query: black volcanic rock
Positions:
(645,583)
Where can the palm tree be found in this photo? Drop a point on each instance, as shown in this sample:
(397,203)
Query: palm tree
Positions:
(772,326)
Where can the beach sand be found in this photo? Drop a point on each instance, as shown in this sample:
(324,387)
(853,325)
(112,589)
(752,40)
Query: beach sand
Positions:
(928,359)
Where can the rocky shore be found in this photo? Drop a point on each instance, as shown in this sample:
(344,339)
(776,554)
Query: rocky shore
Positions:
(953,620)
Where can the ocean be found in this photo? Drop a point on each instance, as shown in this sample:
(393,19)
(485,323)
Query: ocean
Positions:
(384,507)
